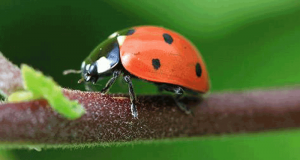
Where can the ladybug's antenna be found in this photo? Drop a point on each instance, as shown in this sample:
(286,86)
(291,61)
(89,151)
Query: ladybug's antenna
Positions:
(68,71)
(65,72)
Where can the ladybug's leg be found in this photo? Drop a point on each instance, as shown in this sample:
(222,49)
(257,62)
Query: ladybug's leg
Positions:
(111,81)
(133,108)
(179,93)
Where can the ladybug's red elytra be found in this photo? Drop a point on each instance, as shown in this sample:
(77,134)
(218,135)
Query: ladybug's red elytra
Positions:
(151,53)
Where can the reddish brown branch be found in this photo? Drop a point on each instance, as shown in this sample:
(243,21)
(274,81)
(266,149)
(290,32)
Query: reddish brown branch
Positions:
(108,118)
(10,77)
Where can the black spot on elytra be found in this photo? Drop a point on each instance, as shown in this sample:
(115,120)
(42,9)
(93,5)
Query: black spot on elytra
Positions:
(168,38)
(156,63)
(130,32)
(198,70)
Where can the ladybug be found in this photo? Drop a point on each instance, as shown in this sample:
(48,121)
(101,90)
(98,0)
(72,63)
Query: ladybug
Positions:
(151,53)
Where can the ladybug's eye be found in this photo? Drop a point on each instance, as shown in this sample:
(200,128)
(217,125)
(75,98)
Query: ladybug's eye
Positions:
(90,73)
(93,70)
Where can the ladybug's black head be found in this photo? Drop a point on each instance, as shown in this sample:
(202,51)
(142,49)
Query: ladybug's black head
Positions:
(89,72)
(92,72)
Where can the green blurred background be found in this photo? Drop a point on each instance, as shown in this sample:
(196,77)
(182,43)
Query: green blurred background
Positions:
(246,44)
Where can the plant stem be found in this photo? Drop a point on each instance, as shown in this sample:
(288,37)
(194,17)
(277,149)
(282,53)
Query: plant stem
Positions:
(109,119)
(10,77)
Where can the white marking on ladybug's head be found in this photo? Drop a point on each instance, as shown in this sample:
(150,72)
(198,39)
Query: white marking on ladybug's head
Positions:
(82,64)
(103,65)
(113,35)
(121,40)
(87,67)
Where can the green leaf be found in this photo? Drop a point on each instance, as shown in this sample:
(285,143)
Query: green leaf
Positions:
(39,86)
(20,96)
